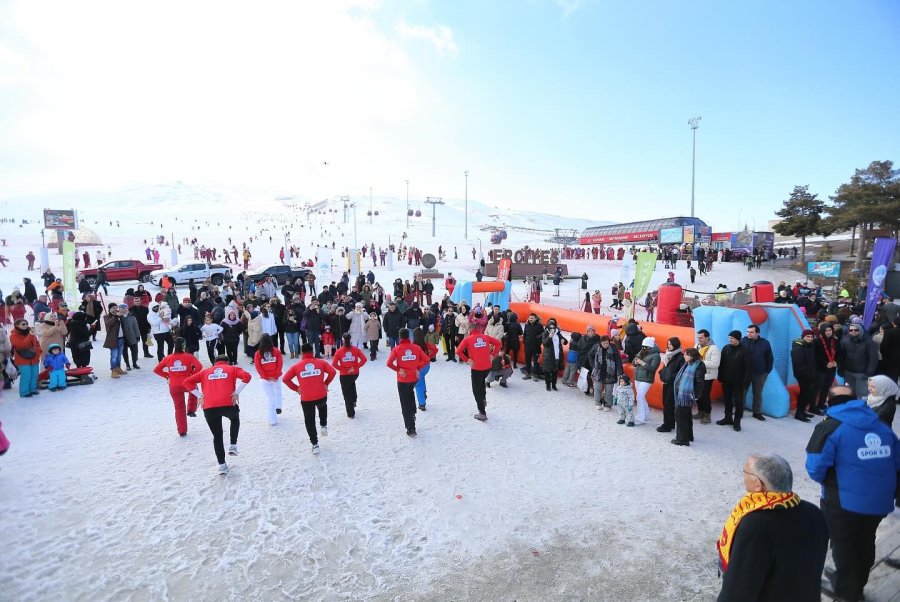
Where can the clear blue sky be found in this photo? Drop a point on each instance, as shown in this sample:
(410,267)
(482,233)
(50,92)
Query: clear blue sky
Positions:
(576,107)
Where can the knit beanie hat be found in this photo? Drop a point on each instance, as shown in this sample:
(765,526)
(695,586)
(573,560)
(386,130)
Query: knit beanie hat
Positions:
(808,332)
(735,334)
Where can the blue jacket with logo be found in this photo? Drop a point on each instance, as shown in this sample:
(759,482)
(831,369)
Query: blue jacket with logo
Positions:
(856,458)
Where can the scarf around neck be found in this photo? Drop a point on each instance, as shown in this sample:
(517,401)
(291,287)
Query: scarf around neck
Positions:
(751,502)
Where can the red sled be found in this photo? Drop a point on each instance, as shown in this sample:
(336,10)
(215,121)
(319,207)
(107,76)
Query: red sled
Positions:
(74,376)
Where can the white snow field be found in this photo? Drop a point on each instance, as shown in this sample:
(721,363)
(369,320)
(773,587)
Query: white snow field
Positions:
(548,500)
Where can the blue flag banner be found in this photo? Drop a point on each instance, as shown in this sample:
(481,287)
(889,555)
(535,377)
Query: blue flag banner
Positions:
(882,253)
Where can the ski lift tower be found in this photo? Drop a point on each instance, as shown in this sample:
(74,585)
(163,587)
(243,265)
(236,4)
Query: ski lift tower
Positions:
(434,201)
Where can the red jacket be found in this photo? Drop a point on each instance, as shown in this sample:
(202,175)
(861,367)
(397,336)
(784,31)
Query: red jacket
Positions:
(431,350)
(409,358)
(268,367)
(177,367)
(348,360)
(217,383)
(477,347)
(313,376)
(24,343)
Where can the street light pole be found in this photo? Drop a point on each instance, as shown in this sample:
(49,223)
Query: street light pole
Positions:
(407,205)
(434,201)
(694,122)
(467,205)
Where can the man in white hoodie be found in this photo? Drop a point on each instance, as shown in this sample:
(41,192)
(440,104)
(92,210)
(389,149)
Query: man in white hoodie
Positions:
(711,356)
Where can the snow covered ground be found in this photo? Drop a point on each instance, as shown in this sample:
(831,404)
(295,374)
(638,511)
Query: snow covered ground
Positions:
(548,500)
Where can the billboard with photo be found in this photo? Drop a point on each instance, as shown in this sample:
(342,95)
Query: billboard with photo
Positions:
(704,235)
(60,219)
(669,236)
(688,234)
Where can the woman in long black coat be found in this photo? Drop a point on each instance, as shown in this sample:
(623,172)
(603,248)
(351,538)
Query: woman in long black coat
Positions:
(79,342)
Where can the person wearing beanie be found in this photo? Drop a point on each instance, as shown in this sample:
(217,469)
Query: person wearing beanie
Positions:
(115,339)
(646,362)
(734,374)
(624,400)
(803,362)
(855,457)
(57,363)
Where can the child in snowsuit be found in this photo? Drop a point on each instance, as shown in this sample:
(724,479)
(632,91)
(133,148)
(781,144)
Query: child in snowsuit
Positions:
(570,375)
(57,362)
(623,397)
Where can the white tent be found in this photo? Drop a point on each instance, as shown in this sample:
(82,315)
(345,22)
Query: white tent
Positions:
(84,237)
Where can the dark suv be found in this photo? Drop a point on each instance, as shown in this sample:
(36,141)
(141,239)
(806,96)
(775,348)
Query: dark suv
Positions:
(279,272)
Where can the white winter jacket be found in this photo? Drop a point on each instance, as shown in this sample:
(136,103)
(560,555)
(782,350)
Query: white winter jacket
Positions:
(711,359)
(161,321)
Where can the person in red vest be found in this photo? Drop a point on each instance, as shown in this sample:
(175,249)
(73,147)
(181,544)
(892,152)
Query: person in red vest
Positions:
(348,359)
(313,376)
(478,350)
(219,393)
(175,368)
(406,360)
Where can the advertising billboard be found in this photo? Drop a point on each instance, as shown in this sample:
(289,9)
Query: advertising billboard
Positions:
(60,219)
(704,235)
(824,269)
(688,234)
(669,236)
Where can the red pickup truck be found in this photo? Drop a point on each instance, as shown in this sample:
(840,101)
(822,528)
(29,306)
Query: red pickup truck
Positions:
(123,269)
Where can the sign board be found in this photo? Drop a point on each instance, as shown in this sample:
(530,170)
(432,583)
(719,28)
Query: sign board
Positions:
(60,219)
(704,235)
(689,234)
(503,268)
(824,269)
(668,236)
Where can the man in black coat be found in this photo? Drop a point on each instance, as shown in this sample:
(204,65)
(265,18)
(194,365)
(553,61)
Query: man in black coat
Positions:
(391,323)
(773,545)
(531,340)
(734,374)
(890,350)
(140,312)
(803,361)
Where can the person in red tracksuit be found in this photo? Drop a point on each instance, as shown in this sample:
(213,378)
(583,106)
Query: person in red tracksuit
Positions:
(313,376)
(478,350)
(176,368)
(406,360)
(219,392)
(348,359)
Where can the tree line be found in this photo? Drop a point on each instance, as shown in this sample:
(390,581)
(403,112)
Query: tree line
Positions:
(868,202)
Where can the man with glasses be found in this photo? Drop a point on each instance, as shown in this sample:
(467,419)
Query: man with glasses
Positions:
(857,360)
(761,361)
(773,544)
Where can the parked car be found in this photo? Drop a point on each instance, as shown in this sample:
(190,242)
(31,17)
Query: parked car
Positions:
(123,269)
(199,271)
(280,272)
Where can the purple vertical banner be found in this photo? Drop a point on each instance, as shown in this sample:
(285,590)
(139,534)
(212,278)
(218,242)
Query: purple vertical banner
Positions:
(882,253)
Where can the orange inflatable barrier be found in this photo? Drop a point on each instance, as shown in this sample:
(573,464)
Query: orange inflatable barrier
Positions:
(578,321)
(492,286)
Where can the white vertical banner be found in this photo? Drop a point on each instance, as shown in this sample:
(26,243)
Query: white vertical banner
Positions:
(323,264)
(626,275)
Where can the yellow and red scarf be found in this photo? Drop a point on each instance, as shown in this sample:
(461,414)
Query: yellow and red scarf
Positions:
(751,502)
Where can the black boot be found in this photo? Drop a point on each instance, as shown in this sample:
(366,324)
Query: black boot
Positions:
(726,420)
(737,424)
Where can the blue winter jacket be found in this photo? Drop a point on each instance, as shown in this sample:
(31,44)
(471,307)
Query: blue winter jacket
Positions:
(56,362)
(856,458)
